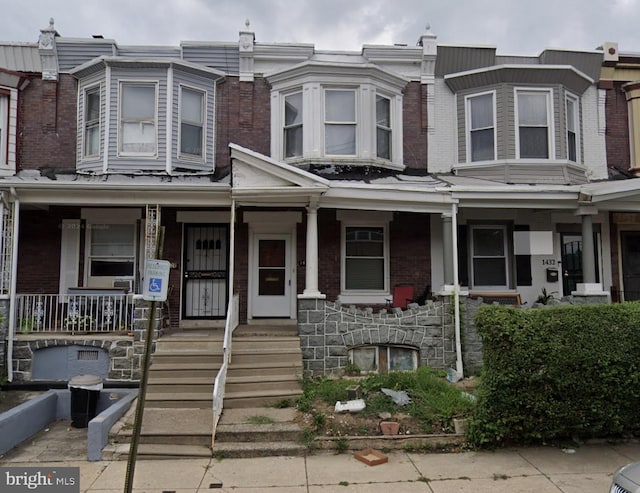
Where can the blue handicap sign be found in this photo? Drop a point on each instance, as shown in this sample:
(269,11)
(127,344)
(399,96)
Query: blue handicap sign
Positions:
(155,285)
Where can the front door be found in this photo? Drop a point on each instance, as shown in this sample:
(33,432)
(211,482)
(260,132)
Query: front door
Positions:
(271,283)
(571,262)
(630,241)
(205,284)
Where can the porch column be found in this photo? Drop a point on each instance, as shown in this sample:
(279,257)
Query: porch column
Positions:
(588,253)
(311,261)
(447,249)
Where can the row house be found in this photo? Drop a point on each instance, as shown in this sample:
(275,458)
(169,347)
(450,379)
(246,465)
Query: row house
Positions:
(323,190)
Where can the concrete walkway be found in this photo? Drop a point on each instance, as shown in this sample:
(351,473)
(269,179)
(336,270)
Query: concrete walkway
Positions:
(586,469)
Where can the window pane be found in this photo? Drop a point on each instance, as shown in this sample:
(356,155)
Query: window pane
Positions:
(364,273)
(571,120)
(482,146)
(293,109)
(191,108)
(93,106)
(488,242)
(365,358)
(112,240)
(383,143)
(571,146)
(383,112)
(340,139)
(340,106)
(364,242)
(138,137)
(401,359)
(534,142)
(293,141)
(532,109)
(489,272)
(138,102)
(111,268)
(191,139)
(92,141)
(481,110)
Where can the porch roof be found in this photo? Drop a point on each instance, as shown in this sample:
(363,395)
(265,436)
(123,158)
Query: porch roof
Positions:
(32,187)
(613,195)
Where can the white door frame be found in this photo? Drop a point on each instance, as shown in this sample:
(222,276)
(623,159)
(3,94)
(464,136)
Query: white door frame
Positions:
(279,224)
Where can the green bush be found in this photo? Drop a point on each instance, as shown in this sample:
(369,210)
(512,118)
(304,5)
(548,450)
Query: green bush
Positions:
(554,373)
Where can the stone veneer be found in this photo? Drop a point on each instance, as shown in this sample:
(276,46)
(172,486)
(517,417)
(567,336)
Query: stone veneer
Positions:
(125,350)
(328,330)
(4,323)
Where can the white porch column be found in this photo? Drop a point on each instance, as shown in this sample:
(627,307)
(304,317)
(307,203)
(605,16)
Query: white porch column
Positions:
(13,283)
(311,261)
(588,286)
(447,249)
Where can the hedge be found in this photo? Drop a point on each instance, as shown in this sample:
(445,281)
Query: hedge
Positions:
(569,371)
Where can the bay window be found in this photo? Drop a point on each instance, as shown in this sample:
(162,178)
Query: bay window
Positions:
(480,110)
(340,122)
(533,124)
(191,122)
(138,119)
(293,125)
(383,127)
(92,122)
(573,141)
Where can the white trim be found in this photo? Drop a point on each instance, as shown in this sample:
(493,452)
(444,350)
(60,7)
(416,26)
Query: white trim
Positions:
(107,121)
(192,157)
(82,119)
(69,254)
(169,132)
(8,127)
(142,82)
(4,129)
(204,217)
(550,119)
(568,96)
(111,215)
(507,256)
(467,113)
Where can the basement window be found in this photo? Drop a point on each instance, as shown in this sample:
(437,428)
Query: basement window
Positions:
(384,358)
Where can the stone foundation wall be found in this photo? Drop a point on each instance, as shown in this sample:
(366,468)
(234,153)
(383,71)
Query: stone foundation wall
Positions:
(125,350)
(328,330)
(4,324)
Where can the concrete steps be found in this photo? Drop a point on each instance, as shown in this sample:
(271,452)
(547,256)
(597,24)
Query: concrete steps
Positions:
(266,369)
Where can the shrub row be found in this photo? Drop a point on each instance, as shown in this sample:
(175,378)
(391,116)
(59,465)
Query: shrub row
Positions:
(555,373)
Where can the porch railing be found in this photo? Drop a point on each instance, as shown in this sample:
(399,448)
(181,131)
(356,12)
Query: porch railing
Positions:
(74,313)
(231,323)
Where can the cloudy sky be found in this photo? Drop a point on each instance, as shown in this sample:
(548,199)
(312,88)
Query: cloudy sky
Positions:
(514,26)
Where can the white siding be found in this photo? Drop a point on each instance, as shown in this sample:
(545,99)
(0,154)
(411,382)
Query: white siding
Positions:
(593,137)
(443,135)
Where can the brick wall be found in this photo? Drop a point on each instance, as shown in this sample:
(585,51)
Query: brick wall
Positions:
(47,124)
(414,126)
(243,117)
(617,134)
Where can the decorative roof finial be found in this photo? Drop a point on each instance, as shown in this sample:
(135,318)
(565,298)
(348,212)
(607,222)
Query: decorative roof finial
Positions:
(51,24)
(427,27)
(247,23)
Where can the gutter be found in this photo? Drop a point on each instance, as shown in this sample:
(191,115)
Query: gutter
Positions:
(14,282)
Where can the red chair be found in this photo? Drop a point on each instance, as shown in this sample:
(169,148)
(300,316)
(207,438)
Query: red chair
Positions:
(402,295)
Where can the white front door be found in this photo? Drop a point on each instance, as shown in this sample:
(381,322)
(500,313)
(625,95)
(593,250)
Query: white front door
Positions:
(271,276)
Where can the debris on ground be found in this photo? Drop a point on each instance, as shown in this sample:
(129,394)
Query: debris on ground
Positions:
(400,397)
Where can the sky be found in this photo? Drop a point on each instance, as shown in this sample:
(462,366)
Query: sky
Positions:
(513,26)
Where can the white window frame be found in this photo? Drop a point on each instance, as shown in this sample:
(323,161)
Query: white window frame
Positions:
(468,130)
(154,121)
(385,245)
(550,128)
(294,126)
(384,128)
(387,348)
(355,123)
(202,124)
(93,123)
(4,129)
(473,256)
(575,117)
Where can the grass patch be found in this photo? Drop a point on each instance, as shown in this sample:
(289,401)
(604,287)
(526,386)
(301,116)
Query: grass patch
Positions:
(260,419)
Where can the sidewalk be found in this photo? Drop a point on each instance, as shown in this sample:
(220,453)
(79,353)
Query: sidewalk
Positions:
(586,469)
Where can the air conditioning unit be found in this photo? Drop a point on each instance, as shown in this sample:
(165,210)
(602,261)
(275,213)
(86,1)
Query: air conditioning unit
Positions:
(126,284)
(610,51)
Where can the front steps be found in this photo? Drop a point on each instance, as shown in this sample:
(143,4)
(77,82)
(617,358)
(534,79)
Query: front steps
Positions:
(266,369)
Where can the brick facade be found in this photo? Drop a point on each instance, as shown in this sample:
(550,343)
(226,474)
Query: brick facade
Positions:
(414,126)
(617,134)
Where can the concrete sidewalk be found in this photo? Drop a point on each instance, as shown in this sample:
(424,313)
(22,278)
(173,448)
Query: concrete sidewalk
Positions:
(586,469)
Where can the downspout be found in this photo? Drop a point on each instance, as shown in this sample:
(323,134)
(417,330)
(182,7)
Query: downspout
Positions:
(456,291)
(14,283)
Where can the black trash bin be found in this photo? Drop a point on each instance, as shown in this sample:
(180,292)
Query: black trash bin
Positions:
(85,392)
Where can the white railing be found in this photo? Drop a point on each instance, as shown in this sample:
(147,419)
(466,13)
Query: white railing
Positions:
(231,323)
(74,313)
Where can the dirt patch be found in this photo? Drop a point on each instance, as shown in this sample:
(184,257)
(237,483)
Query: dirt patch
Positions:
(324,421)
(12,398)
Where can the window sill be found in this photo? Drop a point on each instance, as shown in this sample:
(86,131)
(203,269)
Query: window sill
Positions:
(364,298)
